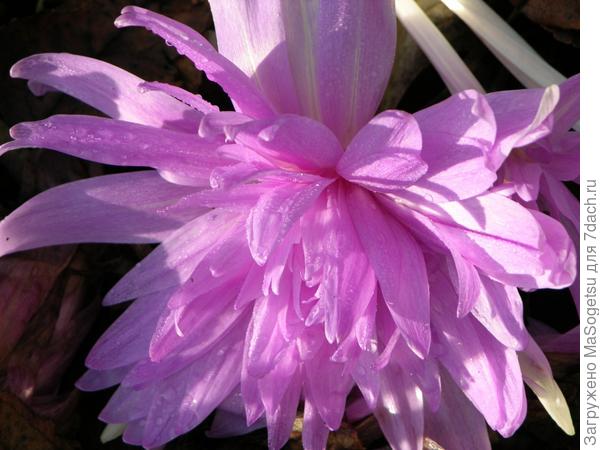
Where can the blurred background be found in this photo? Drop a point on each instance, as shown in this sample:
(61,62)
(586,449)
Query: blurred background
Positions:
(50,313)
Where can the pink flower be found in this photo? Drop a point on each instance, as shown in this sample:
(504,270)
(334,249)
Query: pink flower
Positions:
(306,247)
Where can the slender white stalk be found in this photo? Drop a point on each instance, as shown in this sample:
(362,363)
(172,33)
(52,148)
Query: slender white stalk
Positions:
(449,65)
(510,48)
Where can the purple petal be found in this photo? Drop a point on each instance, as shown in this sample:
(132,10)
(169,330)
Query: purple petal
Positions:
(180,157)
(398,263)
(175,259)
(521,118)
(458,135)
(276,212)
(130,207)
(499,309)
(188,42)
(128,339)
(290,140)
(189,396)
(497,235)
(323,37)
(566,113)
(456,424)
(252,35)
(280,423)
(192,100)
(95,380)
(107,88)
(400,410)
(486,371)
(314,430)
(328,386)
(384,156)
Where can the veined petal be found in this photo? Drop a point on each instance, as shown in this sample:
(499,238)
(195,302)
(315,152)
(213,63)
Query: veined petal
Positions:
(290,140)
(329,45)
(172,262)
(384,156)
(128,339)
(327,385)
(456,424)
(251,34)
(399,267)
(130,208)
(510,48)
(189,396)
(314,430)
(522,117)
(182,158)
(192,100)
(277,211)
(458,135)
(400,410)
(108,89)
(188,42)
(499,309)
(476,361)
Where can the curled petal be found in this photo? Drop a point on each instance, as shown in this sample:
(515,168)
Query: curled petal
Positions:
(107,88)
(188,42)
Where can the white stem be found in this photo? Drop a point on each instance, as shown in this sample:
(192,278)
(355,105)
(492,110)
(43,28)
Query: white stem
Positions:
(510,48)
(449,65)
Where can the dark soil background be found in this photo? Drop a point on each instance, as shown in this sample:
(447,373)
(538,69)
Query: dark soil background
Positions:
(50,312)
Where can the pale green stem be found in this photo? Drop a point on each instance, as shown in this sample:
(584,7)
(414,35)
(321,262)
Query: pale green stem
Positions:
(450,66)
(510,48)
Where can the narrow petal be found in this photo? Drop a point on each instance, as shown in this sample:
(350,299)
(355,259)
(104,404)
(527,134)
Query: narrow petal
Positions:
(107,88)
(458,135)
(251,34)
(321,38)
(327,385)
(192,100)
(476,361)
(128,339)
(180,157)
(456,424)
(314,430)
(188,42)
(499,309)
(280,423)
(130,207)
(385,154)
(190,396)
(399,267)
(95,380)
(400,410)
